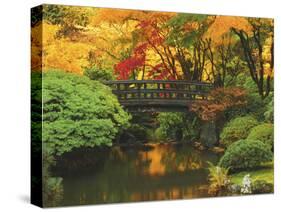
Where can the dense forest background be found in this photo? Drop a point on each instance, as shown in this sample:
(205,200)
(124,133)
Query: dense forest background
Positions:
(155,45)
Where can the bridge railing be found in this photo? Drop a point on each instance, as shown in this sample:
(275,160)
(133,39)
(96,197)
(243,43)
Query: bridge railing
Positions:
(127,90)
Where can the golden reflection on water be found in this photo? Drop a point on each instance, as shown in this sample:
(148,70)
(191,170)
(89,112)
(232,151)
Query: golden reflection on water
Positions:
(164,159)
(156,167)
(172,193)
(151,172)
(160,160)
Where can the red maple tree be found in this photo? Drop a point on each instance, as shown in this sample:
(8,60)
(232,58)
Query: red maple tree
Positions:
(153,40)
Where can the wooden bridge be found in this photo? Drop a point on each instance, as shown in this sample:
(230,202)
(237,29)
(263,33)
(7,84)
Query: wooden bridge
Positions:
(158,95)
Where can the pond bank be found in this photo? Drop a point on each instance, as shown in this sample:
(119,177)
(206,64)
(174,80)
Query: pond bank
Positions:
(265,173)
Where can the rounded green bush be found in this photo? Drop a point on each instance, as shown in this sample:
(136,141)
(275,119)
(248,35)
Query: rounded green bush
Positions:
(246,154)
(79,112)
(237,129)
(262,132)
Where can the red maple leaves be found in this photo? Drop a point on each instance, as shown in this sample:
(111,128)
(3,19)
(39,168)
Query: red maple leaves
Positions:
(125,68)
(137,61)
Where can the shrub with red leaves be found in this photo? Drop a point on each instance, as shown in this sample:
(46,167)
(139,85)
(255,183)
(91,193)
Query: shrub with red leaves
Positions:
(220,99)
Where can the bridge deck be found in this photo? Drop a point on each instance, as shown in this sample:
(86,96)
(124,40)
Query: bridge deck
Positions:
(138,95)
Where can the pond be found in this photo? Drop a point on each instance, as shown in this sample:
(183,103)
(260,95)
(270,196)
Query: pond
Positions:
(128,174)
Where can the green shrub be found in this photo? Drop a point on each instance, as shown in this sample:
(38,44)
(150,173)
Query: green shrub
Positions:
(79,112)
(244,80)
(158,134)
(262,187)
(237,129)
(269,113)
(262,132)
(98,74)
(36,113)
(171,125)
(178,126)
(246,154)
(256,106)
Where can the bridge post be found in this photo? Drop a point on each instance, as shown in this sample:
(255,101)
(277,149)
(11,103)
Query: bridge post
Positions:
(133,94)
(144,87)
(164,89)
(159,88)
(126,88)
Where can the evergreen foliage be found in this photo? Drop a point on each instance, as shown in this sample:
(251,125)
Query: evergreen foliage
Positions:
(246,154)
(78,112)
(238,128)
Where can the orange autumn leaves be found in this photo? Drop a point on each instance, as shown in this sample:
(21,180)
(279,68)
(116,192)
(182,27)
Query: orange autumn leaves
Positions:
(223,24)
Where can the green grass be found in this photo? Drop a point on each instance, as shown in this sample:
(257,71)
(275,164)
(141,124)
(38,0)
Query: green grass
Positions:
(266,172)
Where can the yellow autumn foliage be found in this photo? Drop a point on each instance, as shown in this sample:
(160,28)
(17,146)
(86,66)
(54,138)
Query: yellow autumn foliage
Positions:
(111,35)
(222,25)
(122,16)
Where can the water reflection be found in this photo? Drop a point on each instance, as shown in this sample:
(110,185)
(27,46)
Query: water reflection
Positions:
(124,174)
